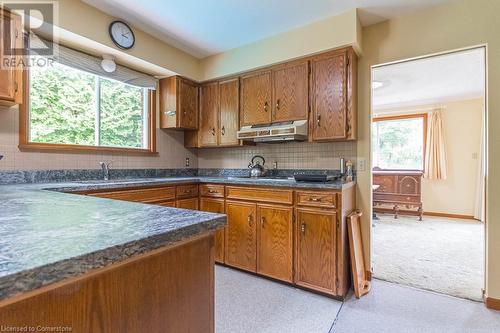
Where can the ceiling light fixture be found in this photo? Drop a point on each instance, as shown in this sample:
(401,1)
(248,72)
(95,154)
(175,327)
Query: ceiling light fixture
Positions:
(108,63)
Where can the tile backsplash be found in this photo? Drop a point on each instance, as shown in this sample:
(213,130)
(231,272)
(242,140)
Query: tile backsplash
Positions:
(296,155)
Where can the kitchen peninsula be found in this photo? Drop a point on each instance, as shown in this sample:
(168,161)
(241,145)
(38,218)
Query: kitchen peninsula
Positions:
(98,265)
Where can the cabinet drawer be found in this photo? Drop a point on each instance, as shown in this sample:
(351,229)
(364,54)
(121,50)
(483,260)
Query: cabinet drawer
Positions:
(211,190)
(260,194)
(147,195)
(187,191)
(317,199)
(396,198)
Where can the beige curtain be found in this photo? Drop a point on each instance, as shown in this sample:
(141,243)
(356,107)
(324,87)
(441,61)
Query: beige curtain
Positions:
(435,155)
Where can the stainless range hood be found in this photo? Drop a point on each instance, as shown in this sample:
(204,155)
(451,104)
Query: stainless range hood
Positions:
(277,132)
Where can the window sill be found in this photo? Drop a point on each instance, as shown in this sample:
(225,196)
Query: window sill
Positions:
(51,147)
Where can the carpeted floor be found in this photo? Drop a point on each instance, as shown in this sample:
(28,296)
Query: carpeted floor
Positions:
(392,308)
(438,254)
(245,303)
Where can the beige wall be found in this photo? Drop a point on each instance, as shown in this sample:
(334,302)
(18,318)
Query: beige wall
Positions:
(341,30)
(455,25)
(457,193)
(288,156)
(170,144)
(87,21)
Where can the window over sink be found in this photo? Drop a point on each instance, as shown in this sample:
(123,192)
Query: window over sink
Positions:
(68,107)
(399,142)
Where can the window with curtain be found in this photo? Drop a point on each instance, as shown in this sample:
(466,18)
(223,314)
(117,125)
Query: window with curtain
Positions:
(399,142)
(72,103)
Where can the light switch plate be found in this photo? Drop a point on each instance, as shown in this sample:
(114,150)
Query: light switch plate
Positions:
(361,164)
(187,161)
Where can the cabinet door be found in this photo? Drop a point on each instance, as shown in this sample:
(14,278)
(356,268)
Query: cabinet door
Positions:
(209,114)
(215,206)
(409,185)
(188,104)
(290,100)
(11,38)
(328,97)
(188,203)
(256,99)
(229,112)
(315,265)
(275,242)
(241,240)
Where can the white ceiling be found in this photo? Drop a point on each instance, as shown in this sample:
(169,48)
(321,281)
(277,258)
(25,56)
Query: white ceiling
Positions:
(433,80)
(206,27)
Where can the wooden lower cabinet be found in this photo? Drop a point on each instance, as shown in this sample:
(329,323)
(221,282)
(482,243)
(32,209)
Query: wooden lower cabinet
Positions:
(296,236)
(172,203)
(167,290)
(275,242)
(215,206)
(315,262)
(241,235)
(188,203)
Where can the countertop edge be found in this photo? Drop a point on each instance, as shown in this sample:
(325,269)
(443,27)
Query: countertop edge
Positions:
(42,276)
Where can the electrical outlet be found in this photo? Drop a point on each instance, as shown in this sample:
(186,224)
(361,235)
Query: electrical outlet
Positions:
(187,161)
(361,164)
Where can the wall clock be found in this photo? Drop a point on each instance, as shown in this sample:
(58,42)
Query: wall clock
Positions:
(122,35)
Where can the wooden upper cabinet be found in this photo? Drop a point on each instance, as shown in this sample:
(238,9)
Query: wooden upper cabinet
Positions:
(11,77)
(241,238)
(275,242)
(328,97)
(188,104)
(229,105)
(256,98)
(315,260)
(209,114)
(290,92)
(219,115)
(178,103)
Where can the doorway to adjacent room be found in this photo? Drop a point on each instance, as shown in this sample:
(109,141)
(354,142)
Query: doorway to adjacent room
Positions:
(428,171)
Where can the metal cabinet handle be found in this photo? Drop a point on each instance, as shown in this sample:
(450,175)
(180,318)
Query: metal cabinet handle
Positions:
(278,104)
(169,113)
(262,221)
(266,106)
(315,199)
(223,130)
(250,218)
(318,120)
(303,227)
(212,191)
(213,131)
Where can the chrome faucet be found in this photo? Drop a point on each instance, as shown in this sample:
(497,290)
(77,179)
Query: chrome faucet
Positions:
(105,169)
